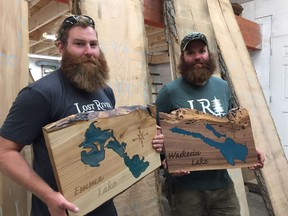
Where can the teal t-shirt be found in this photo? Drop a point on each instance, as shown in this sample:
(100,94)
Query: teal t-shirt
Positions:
(213,98)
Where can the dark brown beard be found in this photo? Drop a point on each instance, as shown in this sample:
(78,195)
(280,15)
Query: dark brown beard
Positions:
(86,73)
(197,75)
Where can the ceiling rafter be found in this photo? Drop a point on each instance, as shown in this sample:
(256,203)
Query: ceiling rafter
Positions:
(47,14)
(50,28)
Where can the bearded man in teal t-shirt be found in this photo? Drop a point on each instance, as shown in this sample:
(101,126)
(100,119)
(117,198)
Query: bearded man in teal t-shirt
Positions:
(199,193)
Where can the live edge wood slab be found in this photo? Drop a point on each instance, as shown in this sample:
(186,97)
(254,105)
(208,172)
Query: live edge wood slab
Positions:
(198,141)
(97,155)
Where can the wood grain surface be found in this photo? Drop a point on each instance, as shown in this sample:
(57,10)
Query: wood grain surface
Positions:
(96,159)
(198,141)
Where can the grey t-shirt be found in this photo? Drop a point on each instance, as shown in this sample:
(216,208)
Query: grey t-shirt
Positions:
(47,100)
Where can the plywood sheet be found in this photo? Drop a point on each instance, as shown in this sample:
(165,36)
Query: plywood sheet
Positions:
(13,52)
(13,77)
(250,96)
(97,158)
(198,141)
(121,31)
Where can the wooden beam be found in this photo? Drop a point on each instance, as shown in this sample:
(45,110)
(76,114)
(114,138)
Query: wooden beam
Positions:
(160,47)
(36,36)
(156,38)
(153,13)
(152,30)
(63,1)
(153,16)
(13,77)
(251,33)
(158,59)
(52,51)
(50,28)
(47,14)
(33,2)
(35,42)
(41,47)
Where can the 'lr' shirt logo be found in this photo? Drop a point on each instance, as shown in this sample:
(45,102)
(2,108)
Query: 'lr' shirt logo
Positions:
(214,107)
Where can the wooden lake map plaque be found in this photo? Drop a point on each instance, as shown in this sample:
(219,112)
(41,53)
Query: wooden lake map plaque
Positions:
(198,141)
(97,155)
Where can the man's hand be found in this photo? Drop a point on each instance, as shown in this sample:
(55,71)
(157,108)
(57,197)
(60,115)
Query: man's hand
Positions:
(261,160)
(178,172)
(58,205)
(158,140)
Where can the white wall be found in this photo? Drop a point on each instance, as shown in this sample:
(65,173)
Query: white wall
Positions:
(272,15)
(279,11)
(261,59)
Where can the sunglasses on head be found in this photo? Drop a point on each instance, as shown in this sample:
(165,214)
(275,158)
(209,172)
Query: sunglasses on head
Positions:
(72,20)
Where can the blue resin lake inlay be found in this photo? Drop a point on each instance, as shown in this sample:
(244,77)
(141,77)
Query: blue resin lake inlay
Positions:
(96,142)
(229,149)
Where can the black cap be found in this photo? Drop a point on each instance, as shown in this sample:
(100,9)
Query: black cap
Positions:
(192,36)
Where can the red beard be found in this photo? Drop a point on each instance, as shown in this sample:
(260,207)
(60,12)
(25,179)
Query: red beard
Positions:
(197,76)
(86,73)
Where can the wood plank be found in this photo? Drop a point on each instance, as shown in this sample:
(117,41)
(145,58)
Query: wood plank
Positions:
(13,77)
(153,13)
(198,141)
(44,46)
(158,59)
(251,33)
(101,154)
(126,56)
(49,28)
(154,39)
(34,2)
(250,95)
(51,11)
(151,30)
(125,53)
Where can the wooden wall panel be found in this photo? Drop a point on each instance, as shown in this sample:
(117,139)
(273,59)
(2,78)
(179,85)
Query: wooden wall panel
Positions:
(13,76)
(121,32)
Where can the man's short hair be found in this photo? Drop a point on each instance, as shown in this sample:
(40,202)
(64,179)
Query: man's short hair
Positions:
(71,21)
